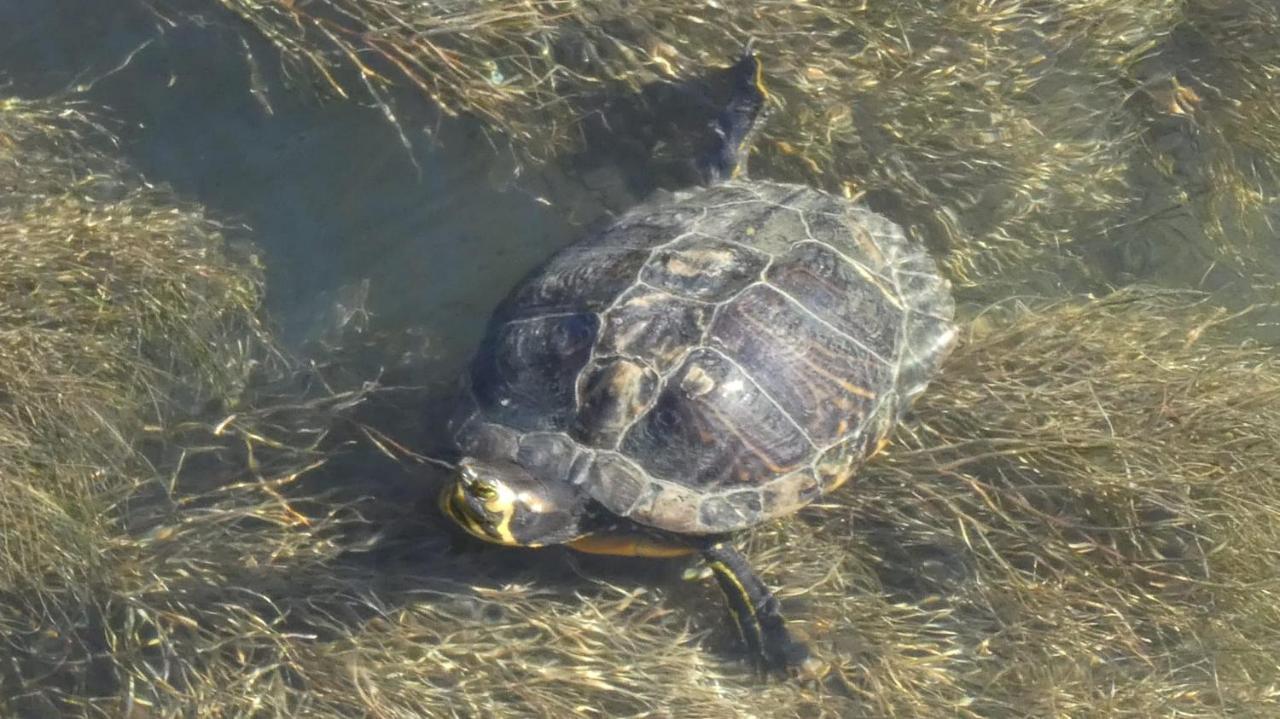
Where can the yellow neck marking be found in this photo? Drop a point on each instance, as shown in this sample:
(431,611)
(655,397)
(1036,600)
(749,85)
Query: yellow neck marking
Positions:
(758,78)
(723,570)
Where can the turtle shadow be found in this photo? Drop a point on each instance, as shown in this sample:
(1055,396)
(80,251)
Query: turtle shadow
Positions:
(635,145)
(395,549)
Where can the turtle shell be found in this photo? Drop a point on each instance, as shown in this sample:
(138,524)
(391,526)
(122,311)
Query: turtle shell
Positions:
(712,361)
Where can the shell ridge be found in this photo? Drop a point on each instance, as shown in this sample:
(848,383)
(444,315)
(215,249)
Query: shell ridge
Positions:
(805,308)
(715,314)
(658,290)
(763,392)
(855,263)
(653,401)
(591,355)
(547,316)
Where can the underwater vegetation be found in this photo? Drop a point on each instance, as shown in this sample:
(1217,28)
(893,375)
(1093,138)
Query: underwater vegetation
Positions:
(121,311)
(1001,132)
(1081,517)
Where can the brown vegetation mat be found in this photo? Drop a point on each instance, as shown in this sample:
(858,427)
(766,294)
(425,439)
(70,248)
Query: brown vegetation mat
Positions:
(118,310)
(997,130)
(1080,520)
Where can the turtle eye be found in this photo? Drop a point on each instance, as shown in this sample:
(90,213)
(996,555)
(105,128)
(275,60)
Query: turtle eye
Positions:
(484,492)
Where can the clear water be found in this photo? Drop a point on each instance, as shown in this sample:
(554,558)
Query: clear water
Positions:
(331,193)
(333,197)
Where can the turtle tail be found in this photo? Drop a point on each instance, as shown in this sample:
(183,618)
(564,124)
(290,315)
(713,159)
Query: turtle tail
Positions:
(737,123)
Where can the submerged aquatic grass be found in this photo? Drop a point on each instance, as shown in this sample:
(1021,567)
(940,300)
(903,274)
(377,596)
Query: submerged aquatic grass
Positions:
(1071,527)
(1080,518)
(118,310)
(1015,137)
(1208,101)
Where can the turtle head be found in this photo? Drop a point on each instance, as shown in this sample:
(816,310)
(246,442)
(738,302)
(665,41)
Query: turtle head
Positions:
(501,502)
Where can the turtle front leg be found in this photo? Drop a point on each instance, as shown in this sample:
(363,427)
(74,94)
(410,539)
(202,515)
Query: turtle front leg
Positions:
(755,611)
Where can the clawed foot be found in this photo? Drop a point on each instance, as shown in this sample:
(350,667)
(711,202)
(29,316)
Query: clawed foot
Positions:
(757,615)
(774,650)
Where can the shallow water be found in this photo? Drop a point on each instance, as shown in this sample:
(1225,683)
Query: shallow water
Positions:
(328,189)
(333,197)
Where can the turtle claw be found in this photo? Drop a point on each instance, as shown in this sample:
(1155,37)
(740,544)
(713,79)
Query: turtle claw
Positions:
(775,651)
(697,574)
(757,615)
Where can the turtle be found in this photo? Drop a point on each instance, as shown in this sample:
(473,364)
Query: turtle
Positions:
(713,359)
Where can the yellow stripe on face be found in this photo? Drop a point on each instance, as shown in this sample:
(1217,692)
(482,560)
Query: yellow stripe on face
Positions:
(453,502)
(503,528)
(723,570)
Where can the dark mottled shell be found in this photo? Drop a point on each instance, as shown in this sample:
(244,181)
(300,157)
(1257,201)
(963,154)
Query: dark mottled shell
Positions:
(710,362)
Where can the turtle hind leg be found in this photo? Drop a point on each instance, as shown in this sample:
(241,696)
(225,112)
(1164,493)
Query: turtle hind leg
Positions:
(755,611)
(739,121)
